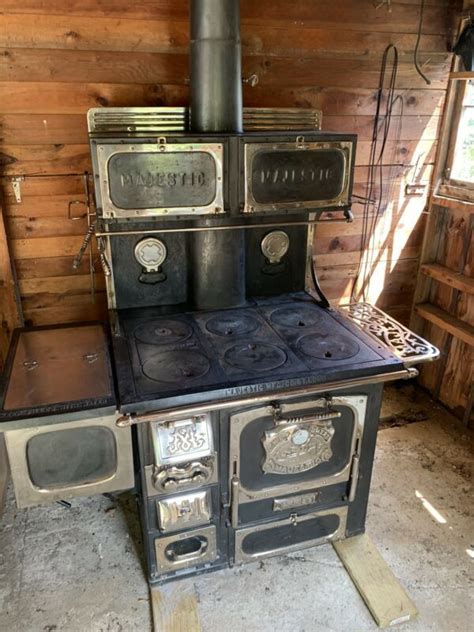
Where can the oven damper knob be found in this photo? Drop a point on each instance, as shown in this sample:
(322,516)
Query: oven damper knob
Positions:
(151,253)
(275,245)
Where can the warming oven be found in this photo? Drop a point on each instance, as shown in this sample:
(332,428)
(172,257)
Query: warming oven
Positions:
(255,403)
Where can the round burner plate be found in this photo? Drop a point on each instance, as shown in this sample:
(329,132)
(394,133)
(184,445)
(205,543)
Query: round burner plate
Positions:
(162,332)
(232,324)
(256,356)
(328,347)
(296,317)
(176,367)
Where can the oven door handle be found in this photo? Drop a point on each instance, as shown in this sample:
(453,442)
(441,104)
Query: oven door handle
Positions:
(234,501)
(309,419)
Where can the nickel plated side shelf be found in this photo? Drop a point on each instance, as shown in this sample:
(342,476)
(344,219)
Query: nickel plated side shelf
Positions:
(402,342)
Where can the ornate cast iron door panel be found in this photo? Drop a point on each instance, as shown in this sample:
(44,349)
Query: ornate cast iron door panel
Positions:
(292,448)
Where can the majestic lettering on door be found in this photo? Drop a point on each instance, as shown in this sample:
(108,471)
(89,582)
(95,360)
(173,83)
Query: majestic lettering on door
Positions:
(164,179)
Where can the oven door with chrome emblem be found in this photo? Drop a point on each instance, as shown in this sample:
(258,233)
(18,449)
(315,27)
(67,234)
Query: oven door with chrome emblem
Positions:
(288,457)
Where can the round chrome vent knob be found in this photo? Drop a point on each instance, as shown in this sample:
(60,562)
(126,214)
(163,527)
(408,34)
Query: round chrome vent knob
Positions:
(150,253)
(275,245)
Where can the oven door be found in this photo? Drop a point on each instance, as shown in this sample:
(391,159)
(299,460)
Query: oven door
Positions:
(81,457)
(284,458)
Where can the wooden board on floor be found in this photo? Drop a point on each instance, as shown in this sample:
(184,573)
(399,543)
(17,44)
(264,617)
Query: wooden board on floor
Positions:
(175,608)
(387,601)
(3,472)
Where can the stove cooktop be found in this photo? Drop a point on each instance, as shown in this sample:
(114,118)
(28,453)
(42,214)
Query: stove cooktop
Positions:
(170,359)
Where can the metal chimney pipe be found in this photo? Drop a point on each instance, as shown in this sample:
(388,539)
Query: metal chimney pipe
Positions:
(218,270)
(216,76)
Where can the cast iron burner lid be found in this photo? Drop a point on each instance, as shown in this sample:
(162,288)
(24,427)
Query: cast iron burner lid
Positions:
(255,356)
(295,316)
(328,346)
(163,332)
(232,324)
(176,367)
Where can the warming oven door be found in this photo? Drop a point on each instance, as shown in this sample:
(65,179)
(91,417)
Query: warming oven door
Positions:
(87,456)
(289,462)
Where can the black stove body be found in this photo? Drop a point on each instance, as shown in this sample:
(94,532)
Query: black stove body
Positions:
(255,403)
(253,440)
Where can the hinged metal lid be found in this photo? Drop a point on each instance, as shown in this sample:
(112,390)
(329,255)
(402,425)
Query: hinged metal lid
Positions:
(55,369)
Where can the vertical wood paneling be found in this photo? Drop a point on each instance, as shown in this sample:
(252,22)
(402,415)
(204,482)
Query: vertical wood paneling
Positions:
(10,316)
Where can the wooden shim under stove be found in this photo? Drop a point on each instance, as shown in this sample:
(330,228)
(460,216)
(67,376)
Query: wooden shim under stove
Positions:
(174,607)
(387,601)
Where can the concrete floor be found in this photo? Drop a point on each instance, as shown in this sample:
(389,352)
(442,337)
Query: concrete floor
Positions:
(80,569)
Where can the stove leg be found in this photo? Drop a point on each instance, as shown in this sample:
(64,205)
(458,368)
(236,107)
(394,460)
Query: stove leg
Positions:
(175,608)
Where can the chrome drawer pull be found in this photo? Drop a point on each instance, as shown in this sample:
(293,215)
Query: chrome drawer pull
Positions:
(175,557)
(174,477)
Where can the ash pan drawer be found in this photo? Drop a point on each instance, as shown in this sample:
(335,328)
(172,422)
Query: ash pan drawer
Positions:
(291,534)
(186,550)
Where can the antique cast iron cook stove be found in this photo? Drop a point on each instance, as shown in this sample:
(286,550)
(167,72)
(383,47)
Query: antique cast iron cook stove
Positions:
(255,403)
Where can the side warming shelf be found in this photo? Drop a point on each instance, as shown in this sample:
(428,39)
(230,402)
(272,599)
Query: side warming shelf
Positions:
(401,341)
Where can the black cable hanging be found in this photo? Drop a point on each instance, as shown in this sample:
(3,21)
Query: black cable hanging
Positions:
(417,45)
(375,168)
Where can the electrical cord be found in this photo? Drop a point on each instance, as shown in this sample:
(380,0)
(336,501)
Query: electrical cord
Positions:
(375,168)
(417,45)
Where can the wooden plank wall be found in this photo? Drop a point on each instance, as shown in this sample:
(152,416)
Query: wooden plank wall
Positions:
(451,379)
(443,308)
(9,301)
(60,57)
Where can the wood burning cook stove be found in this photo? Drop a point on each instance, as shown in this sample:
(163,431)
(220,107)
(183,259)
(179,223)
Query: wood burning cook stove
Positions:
(254,403)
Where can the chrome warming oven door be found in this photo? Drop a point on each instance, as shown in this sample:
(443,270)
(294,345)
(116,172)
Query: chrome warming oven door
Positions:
(287,461)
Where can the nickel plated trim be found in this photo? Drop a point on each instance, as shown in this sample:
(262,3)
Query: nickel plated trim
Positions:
(299,391)
(401,341)
(28,494)
(106,151)
(183,512)
(199,229)
(150,474)
(207,553)
(143,121)
(357,404)
(251,149)
(109,279)
(309,251)
(242,557)
(194,453)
